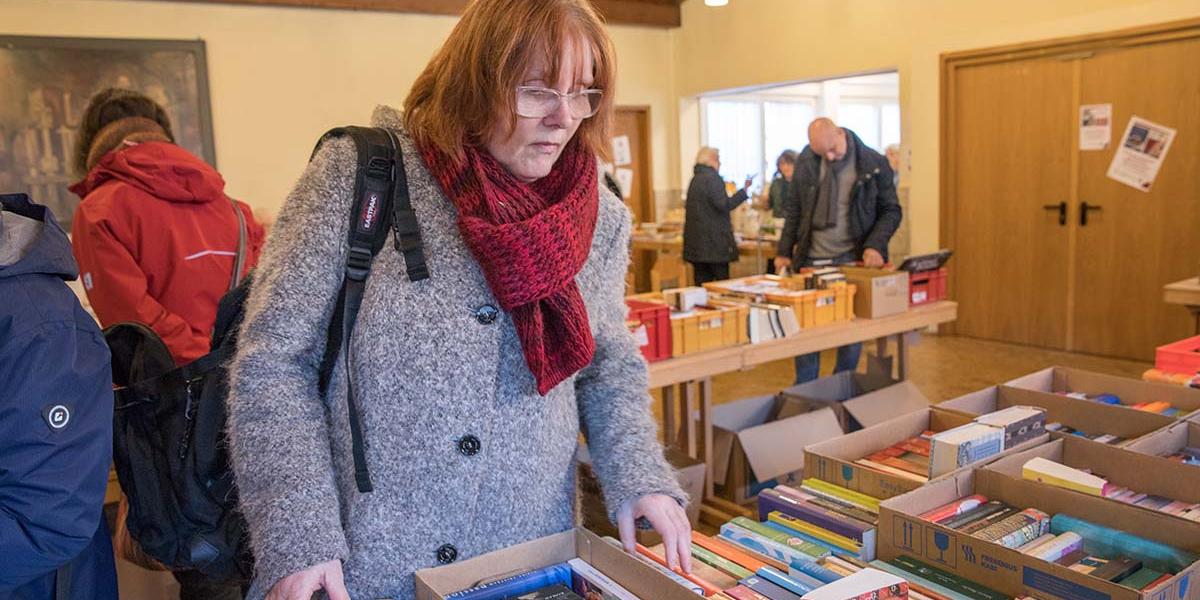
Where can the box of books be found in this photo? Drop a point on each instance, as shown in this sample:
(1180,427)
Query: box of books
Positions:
(893,457)
(1175,401)
(1179,442)
(860,399)
(1065,415)
(759,442)
(880,293)
(573,564)
(1022,538)
(1149,482)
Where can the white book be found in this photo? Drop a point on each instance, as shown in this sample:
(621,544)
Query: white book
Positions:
(857,585)
(958,447)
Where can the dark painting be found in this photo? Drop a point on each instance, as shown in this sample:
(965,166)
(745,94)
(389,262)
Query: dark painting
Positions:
(47,83)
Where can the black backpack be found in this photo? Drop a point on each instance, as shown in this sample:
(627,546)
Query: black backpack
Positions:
(169,423)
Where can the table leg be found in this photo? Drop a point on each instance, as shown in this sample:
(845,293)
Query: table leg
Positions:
(689,418)
(669,412)
(902,355)
(706,397)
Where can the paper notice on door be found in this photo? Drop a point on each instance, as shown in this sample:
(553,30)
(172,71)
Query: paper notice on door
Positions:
(625,181)
(1144,146)
(1095,126)
(622,154)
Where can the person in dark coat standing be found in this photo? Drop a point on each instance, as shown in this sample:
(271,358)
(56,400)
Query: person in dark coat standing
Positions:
(843,210)
(708,241)
(56,416)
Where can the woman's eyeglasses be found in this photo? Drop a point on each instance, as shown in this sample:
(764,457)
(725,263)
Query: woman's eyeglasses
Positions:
(539,102)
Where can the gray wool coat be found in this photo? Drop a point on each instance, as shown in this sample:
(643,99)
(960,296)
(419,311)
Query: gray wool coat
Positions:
(429,373)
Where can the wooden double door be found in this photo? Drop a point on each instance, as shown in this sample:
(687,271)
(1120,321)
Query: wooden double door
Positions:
(1050,251)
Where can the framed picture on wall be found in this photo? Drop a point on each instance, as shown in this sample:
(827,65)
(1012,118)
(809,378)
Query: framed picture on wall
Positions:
(47,82)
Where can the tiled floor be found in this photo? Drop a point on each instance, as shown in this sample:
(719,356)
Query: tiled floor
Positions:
(942,367)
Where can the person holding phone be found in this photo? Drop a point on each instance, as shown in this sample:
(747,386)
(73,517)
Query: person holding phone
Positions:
(708,242)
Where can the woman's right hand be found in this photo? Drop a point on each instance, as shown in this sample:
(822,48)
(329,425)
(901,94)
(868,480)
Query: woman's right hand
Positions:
(302,585)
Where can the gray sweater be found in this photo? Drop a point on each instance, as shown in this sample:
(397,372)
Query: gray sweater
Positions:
(429,374)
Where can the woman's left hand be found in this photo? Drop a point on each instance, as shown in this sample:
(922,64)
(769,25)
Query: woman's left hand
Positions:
(668,519)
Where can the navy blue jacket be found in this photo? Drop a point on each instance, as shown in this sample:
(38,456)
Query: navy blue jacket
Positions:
(56,407)
(875,211)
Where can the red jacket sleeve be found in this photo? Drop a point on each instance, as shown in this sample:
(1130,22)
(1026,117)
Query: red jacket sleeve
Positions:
(256,237)
(117,290)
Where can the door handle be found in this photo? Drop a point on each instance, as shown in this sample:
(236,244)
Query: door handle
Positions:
(1084,208)
(1061,207)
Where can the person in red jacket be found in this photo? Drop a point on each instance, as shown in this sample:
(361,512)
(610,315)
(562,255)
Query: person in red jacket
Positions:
(156,237)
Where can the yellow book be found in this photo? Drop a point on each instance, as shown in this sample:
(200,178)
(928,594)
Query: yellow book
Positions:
(820,533)
(1049,472)
(850,496)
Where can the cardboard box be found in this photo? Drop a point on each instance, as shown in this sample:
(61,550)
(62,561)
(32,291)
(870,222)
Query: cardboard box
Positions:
(833,461)
(639,578)
(759,442)
(1185,434)
(1083,415)
(859,399)
(688,471)
(1130,391)
(880,293)
(903,533)
(1139,472)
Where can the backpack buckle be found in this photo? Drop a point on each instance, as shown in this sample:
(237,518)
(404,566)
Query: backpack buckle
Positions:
(358,263)
(380,167)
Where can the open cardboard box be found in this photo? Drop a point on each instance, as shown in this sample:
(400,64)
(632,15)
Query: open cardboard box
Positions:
(688,471)
(903,533)
(1130,391)
(858,399)
(1139,472)
(833,461)
(639,578)
(759,442)
(1083,415)
(880,293)
(1185,434)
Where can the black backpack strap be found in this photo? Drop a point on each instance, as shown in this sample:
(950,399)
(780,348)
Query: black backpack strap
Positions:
(380,198)
(62,582)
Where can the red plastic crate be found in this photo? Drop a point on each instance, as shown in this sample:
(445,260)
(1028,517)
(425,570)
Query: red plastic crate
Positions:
(656,319)
(1179,357)
(926,287)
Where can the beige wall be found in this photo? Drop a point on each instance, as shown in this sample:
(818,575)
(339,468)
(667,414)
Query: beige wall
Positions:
(755,42)
(279,77)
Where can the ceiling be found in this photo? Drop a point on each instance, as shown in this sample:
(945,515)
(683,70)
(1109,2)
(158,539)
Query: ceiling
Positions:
(651,13)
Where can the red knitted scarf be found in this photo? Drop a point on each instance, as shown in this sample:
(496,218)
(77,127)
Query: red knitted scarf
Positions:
(531,241)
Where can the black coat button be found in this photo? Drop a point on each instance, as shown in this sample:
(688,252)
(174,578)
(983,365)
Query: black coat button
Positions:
(486,314)
(447,554)
(469,445)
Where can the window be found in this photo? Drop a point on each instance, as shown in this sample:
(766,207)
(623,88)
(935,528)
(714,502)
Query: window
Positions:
(785,127)
(735,128)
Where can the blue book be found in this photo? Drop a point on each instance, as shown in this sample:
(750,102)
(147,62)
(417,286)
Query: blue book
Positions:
(768,589)
(518,584)
(793,585)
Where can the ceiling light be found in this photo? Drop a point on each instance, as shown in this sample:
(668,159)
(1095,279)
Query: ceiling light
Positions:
(716,2)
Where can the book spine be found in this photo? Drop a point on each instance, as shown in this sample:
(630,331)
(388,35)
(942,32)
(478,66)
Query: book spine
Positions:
(954,509)
(741,592)
(709,589)
(812,550)
(599,580)
(784,581)
(1061,546)
(817,516)
(720,563)
(1016,530)
(845,543)
(792,557)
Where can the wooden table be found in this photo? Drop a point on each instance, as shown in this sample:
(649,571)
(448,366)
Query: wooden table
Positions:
(690,377)
(647,248)
(1187,293)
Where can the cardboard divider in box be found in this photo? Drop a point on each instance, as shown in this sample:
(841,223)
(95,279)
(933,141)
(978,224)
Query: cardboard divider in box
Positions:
(1130,391)
(833,460)
(1169,440)
(1120,467)
(858,399)
(1082,415)
(903,533)
(634,575)
(759,442)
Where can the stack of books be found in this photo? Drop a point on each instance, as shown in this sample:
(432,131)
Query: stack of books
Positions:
(1161,407)
(1099,551)
(1059,475)
(1103,438)
(987,436)
(1187,456)
(908,459)
(845,526)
